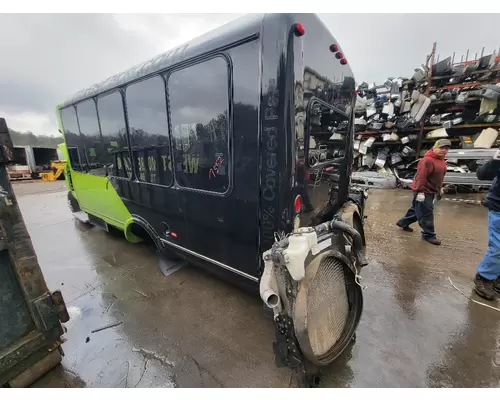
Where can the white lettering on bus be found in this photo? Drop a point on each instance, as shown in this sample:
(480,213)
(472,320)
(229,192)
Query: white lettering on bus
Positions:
(270,162)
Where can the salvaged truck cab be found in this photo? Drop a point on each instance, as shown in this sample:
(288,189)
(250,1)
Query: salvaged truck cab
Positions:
(234,152)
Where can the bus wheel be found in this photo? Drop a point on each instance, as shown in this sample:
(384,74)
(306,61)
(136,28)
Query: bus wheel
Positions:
(73,203)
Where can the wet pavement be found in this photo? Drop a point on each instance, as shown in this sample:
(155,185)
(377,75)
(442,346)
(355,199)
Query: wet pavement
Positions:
(193,330)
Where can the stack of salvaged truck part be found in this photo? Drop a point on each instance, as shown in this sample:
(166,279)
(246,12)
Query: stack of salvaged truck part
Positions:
(463,105)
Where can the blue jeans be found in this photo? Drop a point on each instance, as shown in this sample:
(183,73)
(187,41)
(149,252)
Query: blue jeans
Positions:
(423,212)
(489,267)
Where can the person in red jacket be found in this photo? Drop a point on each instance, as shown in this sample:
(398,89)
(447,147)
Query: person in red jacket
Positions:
(426,186)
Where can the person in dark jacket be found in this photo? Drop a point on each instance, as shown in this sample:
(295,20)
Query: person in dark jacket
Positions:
(427,186)
(488,270)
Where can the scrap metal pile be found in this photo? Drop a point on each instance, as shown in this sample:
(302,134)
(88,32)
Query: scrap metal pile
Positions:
(397,122)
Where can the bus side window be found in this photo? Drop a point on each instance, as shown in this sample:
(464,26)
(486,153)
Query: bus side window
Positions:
(148,126)
(91,137)
(114,135)
(199,108)
(73,139)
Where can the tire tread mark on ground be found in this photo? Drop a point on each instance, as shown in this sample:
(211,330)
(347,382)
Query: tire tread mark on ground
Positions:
(202,368)
(144,368)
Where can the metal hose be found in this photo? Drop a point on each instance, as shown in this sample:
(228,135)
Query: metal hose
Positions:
(349,230)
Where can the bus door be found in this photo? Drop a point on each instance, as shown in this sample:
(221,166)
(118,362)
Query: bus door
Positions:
(91,190)
(77,145)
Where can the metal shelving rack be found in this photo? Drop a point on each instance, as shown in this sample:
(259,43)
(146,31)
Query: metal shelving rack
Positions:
(430,85)
(465,128)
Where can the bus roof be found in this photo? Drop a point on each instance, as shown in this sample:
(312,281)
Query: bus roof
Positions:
(225,35)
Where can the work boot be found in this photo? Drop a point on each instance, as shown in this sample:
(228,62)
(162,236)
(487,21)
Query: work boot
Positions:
(496,285)
(484,287)
(433,240)
(405,228)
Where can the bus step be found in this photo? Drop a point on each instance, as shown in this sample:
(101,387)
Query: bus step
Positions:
(169,266)
(98,222)
(82,216)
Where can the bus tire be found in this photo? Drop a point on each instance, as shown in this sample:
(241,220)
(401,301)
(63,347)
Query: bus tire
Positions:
(73,203)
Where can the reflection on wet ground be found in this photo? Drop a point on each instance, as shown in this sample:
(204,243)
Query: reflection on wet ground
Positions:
(192,330)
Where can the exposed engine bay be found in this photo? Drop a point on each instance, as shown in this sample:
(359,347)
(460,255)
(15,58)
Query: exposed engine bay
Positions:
(310,281)
(311,284)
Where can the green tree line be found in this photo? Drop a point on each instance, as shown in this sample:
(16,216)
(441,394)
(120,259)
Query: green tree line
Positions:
(30,139)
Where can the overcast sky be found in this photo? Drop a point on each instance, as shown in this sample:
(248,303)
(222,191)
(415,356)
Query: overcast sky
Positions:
(47,57)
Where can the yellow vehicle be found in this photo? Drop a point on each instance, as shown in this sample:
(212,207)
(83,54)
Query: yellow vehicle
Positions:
(56,171)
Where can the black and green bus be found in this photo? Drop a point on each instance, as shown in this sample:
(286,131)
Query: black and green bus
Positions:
(233,152)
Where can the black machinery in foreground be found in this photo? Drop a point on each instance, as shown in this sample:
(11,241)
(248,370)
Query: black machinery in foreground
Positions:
(30,315)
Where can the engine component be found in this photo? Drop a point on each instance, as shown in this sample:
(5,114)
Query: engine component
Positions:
(323,323)
(311,284)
